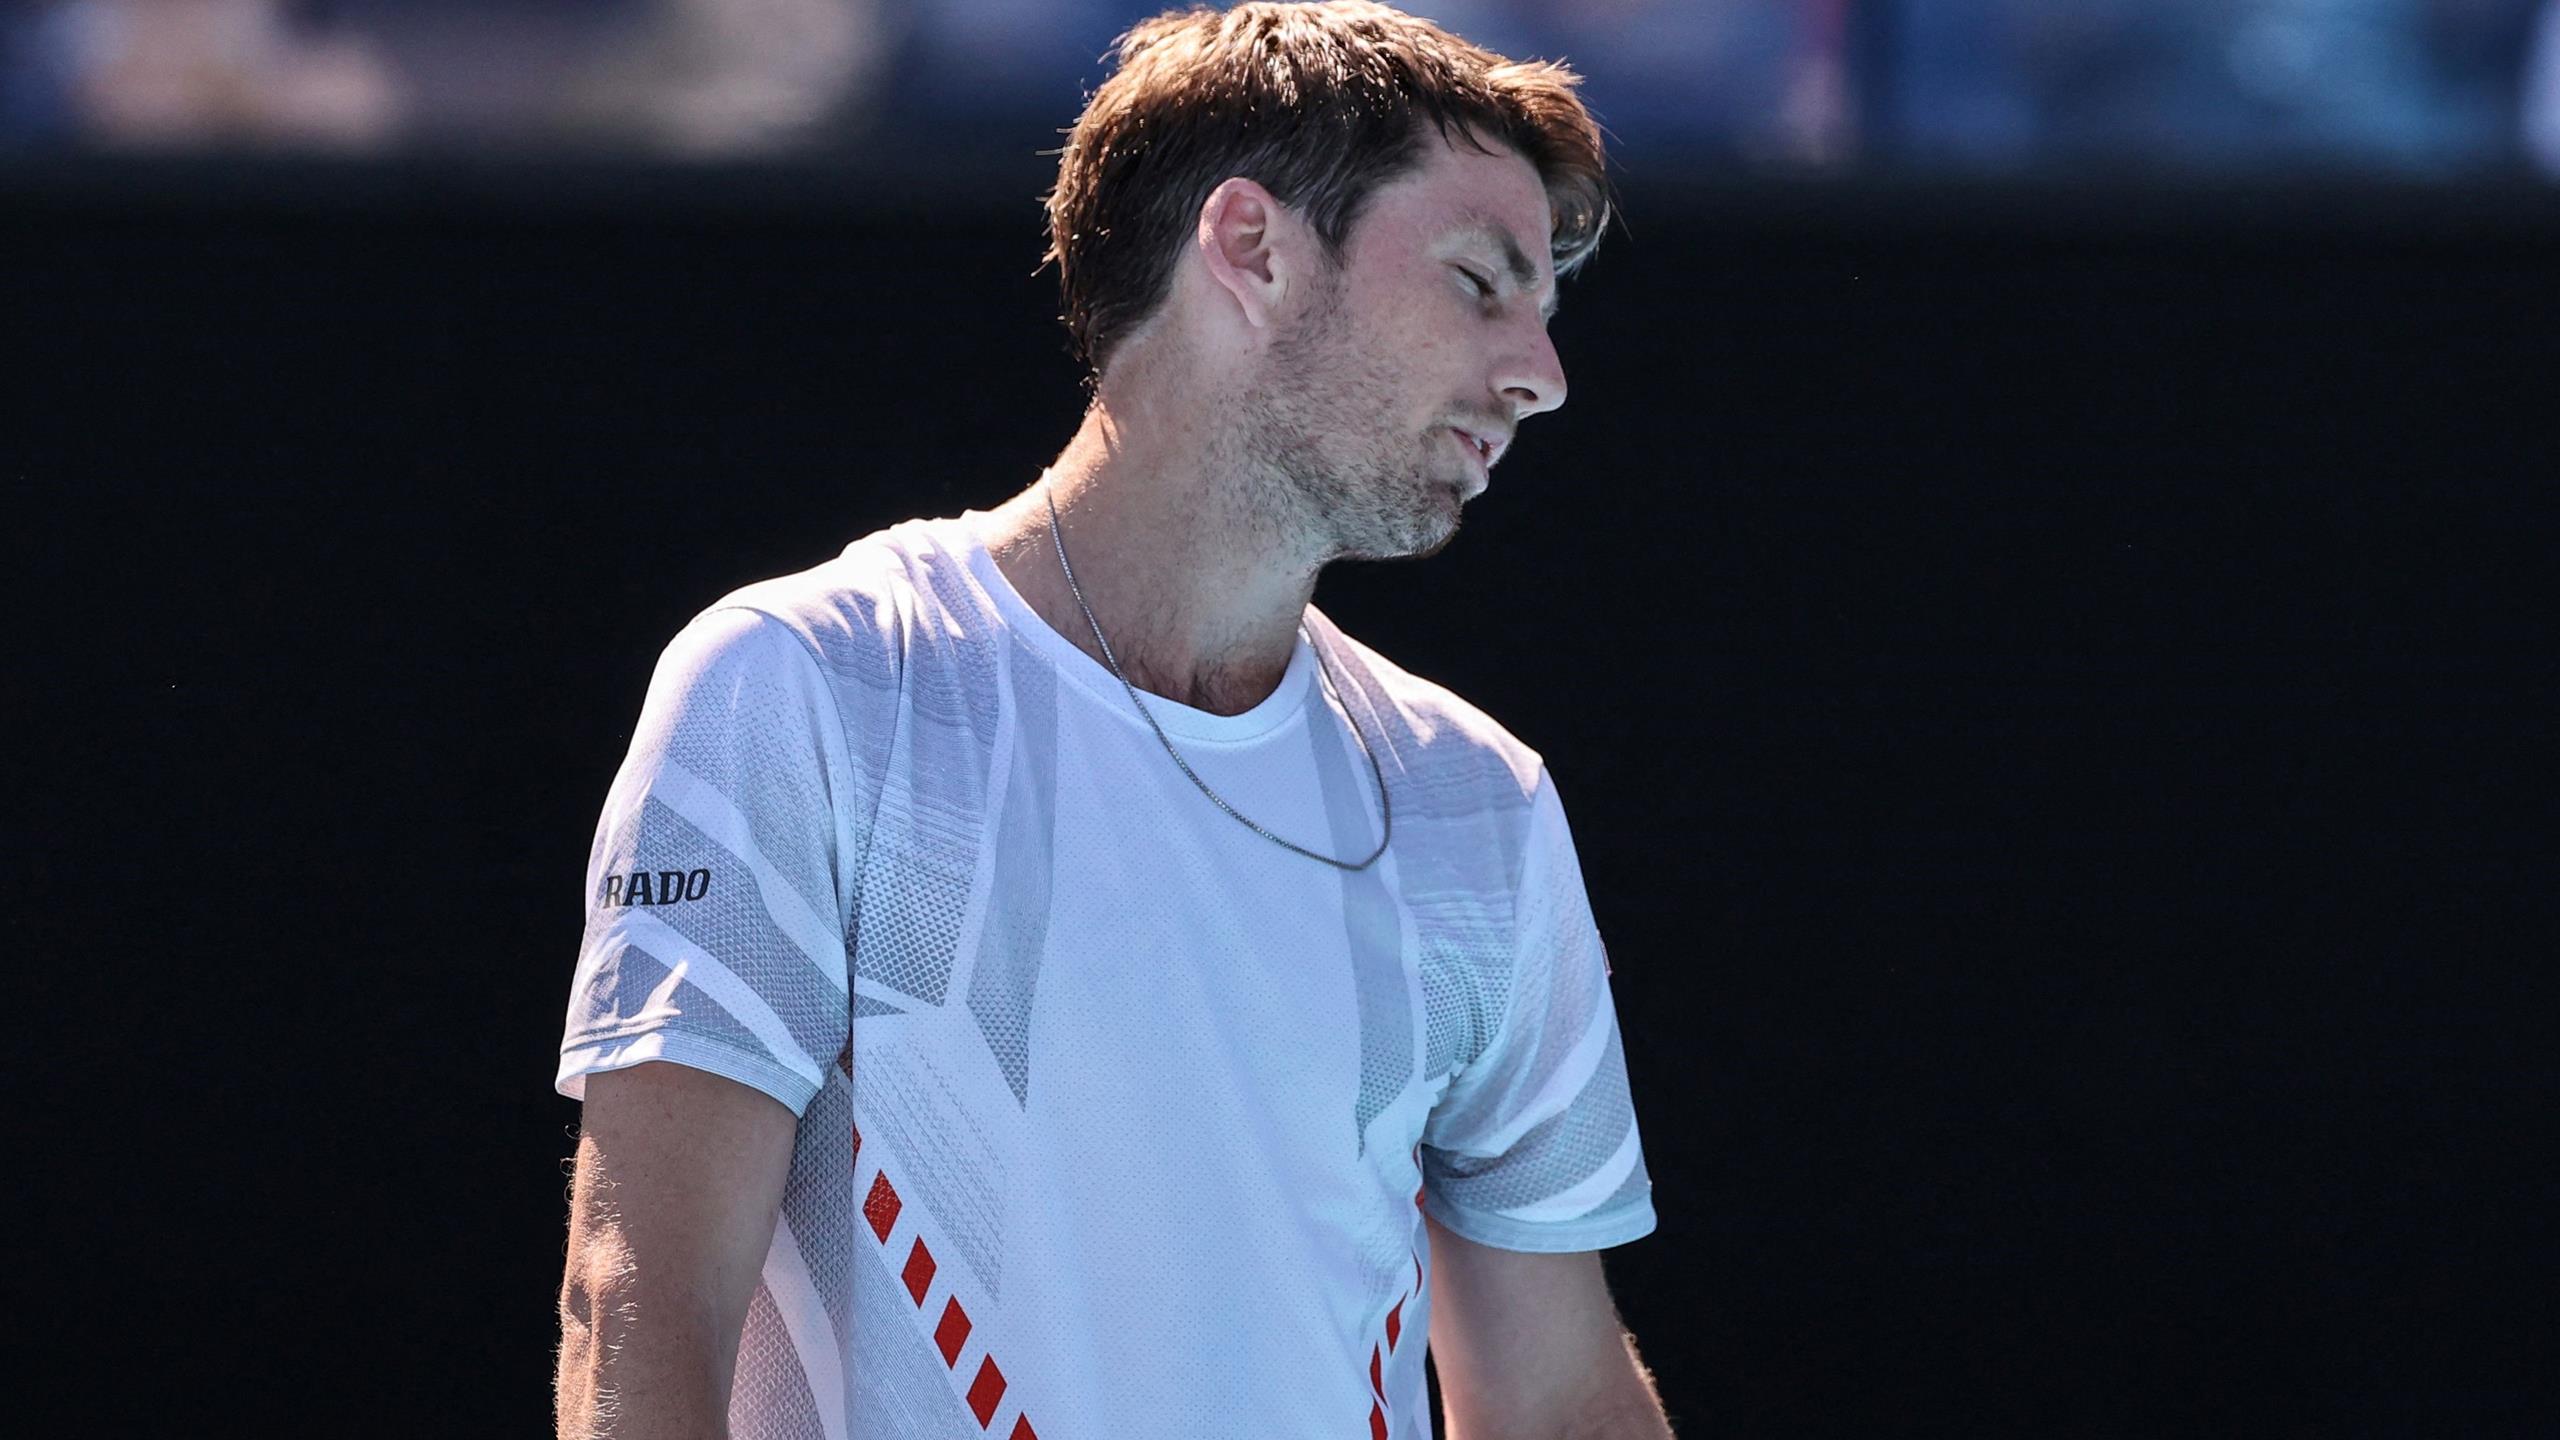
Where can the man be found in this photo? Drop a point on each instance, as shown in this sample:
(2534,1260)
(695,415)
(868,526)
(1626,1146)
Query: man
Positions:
(1096,997)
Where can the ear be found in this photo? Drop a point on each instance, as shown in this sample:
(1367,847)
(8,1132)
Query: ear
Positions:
(1252,247)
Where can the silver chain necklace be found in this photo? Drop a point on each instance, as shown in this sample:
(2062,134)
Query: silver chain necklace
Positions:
(1386,816)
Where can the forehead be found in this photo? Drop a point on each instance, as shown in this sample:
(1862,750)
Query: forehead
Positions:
(1458,192)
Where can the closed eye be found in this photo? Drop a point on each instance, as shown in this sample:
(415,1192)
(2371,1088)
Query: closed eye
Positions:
(1484,286)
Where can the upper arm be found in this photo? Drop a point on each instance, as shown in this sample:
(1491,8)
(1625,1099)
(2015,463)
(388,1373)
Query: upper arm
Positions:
(679,1178)
(715,928)
(1534,1145)
(1526,1344)
(708,1001)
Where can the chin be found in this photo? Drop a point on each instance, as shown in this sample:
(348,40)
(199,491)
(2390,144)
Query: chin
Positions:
(1422,522)
(1439,543)
(1437,525)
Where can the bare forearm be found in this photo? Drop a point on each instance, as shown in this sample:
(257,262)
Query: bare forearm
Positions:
(1626,1407)
(1619,1403)
(627,1373)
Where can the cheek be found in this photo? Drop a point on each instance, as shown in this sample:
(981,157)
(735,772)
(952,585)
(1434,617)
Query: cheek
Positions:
(1438,358)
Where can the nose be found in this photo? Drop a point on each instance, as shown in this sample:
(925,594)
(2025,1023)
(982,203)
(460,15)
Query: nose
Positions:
(1533,379)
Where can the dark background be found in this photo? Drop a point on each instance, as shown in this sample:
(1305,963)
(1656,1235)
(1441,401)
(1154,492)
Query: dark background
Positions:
(2046,681)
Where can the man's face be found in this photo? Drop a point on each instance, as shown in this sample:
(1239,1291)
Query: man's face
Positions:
(1409,373)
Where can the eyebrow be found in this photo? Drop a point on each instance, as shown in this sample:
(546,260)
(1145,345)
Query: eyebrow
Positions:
(1523,273)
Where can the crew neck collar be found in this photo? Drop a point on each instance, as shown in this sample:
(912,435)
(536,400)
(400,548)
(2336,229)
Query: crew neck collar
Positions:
(965,536)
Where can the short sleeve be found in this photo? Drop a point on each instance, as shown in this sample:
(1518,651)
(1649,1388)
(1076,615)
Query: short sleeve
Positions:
(1534,1145)
(713,926)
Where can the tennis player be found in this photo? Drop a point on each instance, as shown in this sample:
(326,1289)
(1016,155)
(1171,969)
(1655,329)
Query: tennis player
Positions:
(1041,976)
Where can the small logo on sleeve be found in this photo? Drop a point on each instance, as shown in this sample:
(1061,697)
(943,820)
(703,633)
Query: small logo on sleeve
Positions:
(656,887)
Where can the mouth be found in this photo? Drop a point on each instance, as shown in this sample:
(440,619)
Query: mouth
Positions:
(1480,453)
(1486,450)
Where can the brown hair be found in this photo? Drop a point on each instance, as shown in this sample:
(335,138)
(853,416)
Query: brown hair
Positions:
(1318,103)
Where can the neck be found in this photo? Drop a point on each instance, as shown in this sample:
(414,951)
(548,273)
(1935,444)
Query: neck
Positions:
(1194,569)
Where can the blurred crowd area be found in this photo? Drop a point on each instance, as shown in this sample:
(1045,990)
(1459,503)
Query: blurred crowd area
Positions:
(2425,87)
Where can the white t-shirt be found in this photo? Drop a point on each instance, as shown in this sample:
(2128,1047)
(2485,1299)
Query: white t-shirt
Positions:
(1116,1119)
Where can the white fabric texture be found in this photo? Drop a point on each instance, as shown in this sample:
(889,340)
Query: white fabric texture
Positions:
(1116,1119)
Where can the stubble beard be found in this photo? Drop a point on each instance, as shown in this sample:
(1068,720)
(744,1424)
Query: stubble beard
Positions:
(1354,492)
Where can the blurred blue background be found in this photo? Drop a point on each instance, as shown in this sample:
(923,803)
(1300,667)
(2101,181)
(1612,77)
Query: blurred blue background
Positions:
(2452,88)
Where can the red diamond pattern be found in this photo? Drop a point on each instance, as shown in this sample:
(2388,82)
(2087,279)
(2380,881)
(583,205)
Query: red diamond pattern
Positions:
(880,1207)
(986,1391)
(953,1332)
(919,1271)
(1395,1332)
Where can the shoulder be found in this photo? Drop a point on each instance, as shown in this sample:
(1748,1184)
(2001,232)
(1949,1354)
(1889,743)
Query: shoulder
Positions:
(850,613)
(1457,756)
